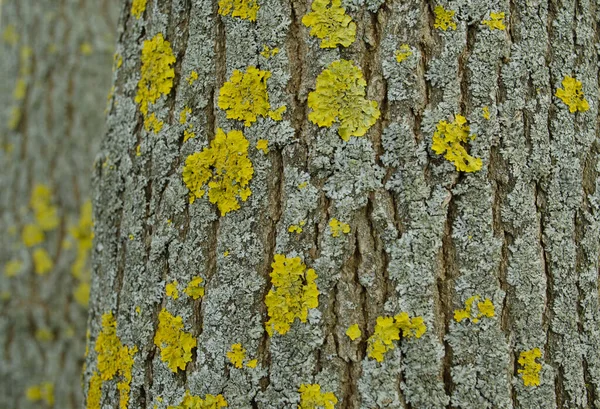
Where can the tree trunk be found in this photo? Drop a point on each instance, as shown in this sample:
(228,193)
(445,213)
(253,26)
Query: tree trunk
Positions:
(472,277)
(55,65)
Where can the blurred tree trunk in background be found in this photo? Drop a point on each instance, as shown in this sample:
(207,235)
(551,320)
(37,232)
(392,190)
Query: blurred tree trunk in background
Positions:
(497,263)
(56,59)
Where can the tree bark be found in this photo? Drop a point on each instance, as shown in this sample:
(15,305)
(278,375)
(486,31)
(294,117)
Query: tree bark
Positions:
(513,247)
(55,65)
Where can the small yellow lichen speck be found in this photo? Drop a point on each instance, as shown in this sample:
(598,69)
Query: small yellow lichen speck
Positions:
(175,344)
(81,293)
(330,24)
(263,145)
(157,72)
(244,96)
(486,113)
(151,123)
(196,402)
(236,355)
(86,48)
(42,392)
(340,97)
(195,288)
(353,332)
(114,359)
(225,253)
(444,19)
(244,9)
(572,95)
(13,268)
(224,167)
(297,228)
(46,214)
(293,293)
(531,369)
(338,227)
(252,363)
(192,77)
(32,235)
(171,290)
(20,90)
(496,21)
(269,52)
(387,330)
(137,8)
(485,309)
(403,53)
(10,35)
(44,335)
(42,262)
(302,185)
(188,134)
(449,137)
(184,114)
(311,397)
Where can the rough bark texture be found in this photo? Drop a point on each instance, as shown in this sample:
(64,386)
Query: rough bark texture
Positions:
(523,231)
(56,59)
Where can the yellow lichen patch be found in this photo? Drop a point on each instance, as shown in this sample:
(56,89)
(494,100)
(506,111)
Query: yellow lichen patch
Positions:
(83,235)
(244,96)
(302,185)
(293,293)
(486,113)
(485,308)
(15,118)
(42,392)
(311,397)
(42,262)
(236,355)
(196,402)
(32,235)
(297,228)
(46,215)
(449,137)
(137,8)
(117,61)
(338,227)
(114,359)
(340,97)
(244,9)
(157,72)
(252,363)
(329,22)
(387,330)
(444,19)
(188,134)
(20,90)
(269,52)
(10,35)
(44,335)
(263,145)
(175,344)
(531,369)
(171,290)
(496,21)
(224,167)
(184,114)
(86,48)
(81,293)
(13,268)
(353,332)
(192,77)
(572,95)
(403,53)
(151,123)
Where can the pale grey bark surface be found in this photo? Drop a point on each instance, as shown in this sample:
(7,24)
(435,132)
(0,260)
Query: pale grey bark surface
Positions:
(55,65)
(523,231)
